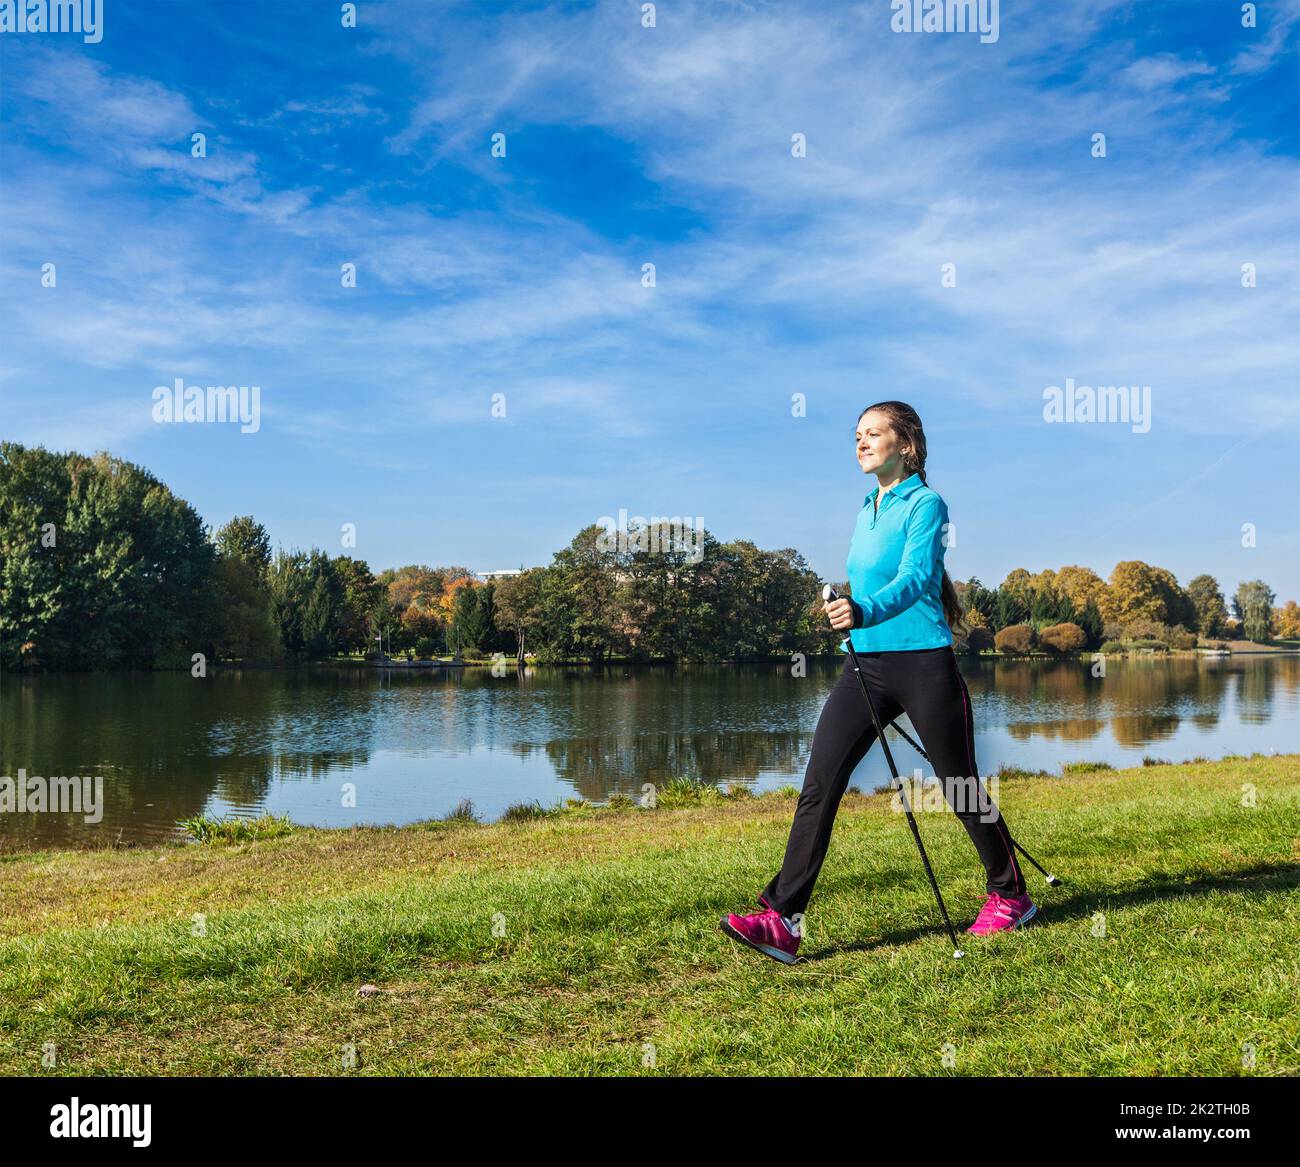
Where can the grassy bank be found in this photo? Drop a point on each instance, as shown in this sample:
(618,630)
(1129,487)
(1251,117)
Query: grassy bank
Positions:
(587,942)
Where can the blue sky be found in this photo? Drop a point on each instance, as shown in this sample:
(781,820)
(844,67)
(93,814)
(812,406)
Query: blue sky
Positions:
(776,275)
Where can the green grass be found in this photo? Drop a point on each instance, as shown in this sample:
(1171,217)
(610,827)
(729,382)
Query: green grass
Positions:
(585,941)
(203,829)
(521,812)
(1088,767)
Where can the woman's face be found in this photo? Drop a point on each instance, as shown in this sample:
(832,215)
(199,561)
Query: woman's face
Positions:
(877,446)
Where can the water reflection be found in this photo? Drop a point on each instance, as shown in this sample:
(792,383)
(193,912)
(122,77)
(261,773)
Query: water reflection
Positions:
(414,744)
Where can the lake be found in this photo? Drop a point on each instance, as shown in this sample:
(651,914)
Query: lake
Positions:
(414,744)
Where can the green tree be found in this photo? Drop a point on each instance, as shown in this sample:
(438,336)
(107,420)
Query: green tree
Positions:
(471,619)
(245,539)
(975,597)
(381,621)
(1094,627)
(1049,606)
(495,638)
(322,622)
(519,607)
(797,592)
(1179,606)
(1211,610)
(244,626)
(580,596)
(662,606)
(243,623)
(307,599)
(762,603)
(101,565)
(1252,604)
(1009,609)
(35,558)
(360,594)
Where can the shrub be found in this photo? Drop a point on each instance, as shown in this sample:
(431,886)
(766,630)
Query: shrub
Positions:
(1084,767)
(1065,637)
(1017,638)
(1112,646)
(1142,629)
(1153,632)
(1152,645)
(979,640)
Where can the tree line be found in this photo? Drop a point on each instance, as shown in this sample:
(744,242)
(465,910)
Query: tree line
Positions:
(589,604)
(1140,605)
(103,567)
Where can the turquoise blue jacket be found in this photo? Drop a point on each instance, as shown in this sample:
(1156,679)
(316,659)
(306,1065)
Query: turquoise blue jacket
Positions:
(895,570)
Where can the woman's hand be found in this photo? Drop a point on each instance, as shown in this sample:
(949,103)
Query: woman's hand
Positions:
(840,614)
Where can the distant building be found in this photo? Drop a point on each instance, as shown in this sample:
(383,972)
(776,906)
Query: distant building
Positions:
(505,574)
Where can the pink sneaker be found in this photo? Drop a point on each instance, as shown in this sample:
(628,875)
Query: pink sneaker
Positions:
(765,931)
(1000,913)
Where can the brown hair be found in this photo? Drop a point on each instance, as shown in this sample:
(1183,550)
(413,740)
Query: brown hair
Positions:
(906,424)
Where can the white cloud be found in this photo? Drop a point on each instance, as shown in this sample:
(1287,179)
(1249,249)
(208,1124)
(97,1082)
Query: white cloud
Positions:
(1163,69)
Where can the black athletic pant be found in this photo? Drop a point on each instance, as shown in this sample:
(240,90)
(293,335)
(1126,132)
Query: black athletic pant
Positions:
(924,684)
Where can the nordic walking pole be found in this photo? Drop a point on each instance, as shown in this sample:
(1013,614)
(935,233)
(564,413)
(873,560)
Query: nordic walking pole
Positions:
(828,594)
(1052,880)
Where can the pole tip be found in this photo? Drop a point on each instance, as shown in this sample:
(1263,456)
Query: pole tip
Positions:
(957,954)
(1053,881)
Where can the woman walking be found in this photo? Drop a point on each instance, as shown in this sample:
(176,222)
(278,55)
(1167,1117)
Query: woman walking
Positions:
(900,619)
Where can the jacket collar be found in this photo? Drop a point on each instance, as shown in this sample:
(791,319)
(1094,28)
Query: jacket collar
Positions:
(909,485)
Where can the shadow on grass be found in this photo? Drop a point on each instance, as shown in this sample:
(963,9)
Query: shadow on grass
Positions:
(1051,910)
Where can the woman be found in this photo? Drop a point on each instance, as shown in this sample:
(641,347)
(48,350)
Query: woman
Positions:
(900,621)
